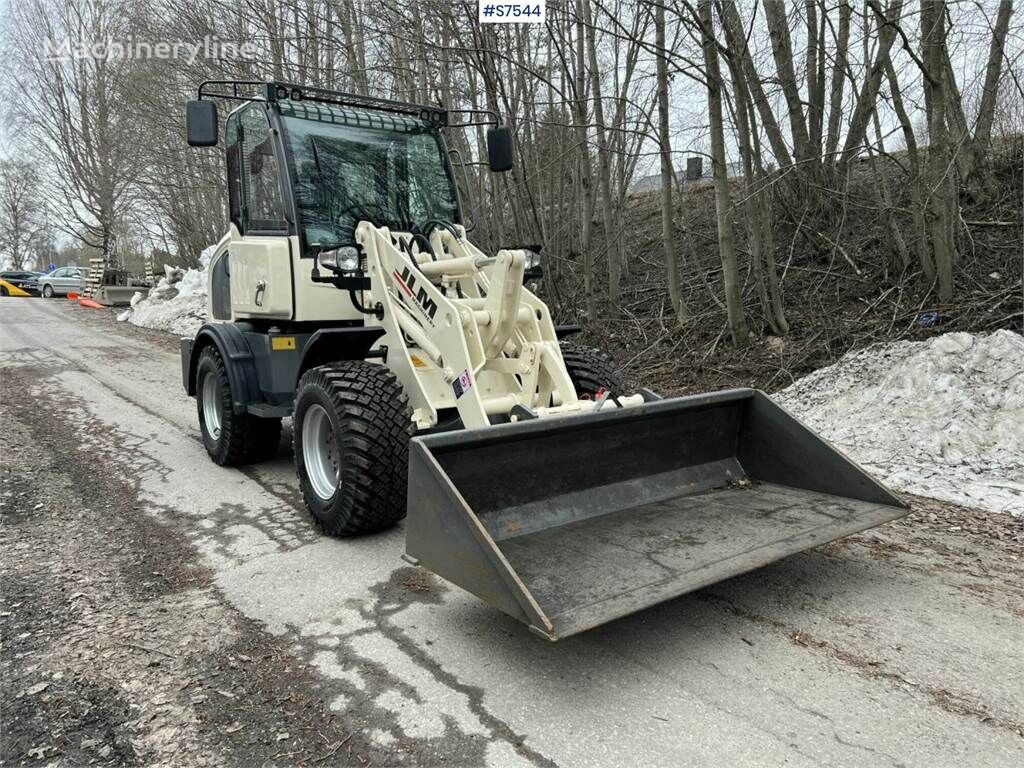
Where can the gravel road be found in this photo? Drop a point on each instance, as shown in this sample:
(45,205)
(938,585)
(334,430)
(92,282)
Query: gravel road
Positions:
(157,609)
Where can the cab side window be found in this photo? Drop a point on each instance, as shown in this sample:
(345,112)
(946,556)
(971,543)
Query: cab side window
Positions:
(220,287)
(233,144)
(262,207)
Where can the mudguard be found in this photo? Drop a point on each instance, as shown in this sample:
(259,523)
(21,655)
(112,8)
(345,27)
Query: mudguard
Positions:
(237,356)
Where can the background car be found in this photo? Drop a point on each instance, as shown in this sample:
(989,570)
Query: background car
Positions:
(60,282)
(19,279)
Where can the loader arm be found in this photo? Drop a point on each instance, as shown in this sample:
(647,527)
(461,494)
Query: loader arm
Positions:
(463,332)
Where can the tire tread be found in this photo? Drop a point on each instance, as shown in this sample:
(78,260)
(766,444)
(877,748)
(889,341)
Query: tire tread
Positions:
(591,369)
(244,438)
(374,410)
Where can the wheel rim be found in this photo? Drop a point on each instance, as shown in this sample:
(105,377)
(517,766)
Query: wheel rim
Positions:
(320,452)
(211,405)
(47,291)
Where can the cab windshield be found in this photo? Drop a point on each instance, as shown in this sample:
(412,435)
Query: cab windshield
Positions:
(350,166)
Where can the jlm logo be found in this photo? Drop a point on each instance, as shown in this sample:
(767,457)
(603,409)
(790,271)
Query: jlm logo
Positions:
(407,282)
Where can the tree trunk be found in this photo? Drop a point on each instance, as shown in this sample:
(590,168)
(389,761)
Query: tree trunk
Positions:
(668,243)
(979,173)
(857,134)
(611,238)
(897,245)
(733,23)
(835,110)
(914,179)
(941,174)
(755,199)
(815,76)
(586,173)
(782,52)
(723,200)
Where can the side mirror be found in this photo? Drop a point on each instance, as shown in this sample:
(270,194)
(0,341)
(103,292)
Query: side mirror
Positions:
(499,148)
(201,123)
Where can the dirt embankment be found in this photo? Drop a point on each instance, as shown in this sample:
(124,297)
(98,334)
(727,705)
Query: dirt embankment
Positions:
(832,305)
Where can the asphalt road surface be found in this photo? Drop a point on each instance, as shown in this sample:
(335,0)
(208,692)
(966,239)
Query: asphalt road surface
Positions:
(136,571)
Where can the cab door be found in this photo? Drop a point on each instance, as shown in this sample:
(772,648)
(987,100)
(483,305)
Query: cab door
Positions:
(259,262)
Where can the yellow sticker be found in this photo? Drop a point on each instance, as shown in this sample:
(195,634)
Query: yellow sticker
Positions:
(417,362)
(279,343)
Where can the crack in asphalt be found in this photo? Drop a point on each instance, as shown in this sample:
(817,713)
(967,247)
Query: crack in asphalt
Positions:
(381,613)
(949,701)
(142,702)
(870,750)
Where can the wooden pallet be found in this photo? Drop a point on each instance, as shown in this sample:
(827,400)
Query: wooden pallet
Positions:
(97,267)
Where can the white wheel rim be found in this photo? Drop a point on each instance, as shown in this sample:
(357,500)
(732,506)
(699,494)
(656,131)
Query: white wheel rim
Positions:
(320,452)
(211,405)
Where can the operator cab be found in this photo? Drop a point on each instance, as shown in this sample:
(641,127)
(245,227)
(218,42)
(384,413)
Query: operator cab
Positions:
(304,167)
(350,165)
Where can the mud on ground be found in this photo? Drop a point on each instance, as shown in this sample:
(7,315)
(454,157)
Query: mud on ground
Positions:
(116,648)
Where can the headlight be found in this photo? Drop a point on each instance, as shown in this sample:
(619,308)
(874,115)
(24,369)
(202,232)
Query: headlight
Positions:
(532,259)
(345,259)
(348,258)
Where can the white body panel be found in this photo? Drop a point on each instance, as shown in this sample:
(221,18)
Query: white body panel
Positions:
(461,330)
(261,277)
(289,292)
(318,301)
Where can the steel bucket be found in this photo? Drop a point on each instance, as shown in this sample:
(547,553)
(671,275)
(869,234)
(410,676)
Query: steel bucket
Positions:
(572,522)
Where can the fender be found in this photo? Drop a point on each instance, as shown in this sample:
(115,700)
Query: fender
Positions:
(330,344)
(237,357)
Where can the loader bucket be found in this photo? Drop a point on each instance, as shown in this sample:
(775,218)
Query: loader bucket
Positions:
(569,523)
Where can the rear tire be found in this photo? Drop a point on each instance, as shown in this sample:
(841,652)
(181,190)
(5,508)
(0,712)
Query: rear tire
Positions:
(230,438)
(47,291)
(352,426)
(3,290)
(591,370)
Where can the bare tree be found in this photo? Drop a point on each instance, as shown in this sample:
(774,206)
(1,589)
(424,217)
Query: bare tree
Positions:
(839,67)
(75,109)
(865,104)
(591,99)
(20,206)
(782,52)
(978,172)
(914,177)
(723,197)
(668,180)
(757,189)
(941,169)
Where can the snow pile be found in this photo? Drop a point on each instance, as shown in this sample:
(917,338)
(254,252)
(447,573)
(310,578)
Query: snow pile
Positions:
(177,304)
(942,418)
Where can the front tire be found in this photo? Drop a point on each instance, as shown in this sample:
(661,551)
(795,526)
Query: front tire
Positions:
(230,438)
(47,291)
(591,370)
(352,426)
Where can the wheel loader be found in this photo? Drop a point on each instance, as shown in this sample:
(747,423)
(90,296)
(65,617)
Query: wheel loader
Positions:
(426,381)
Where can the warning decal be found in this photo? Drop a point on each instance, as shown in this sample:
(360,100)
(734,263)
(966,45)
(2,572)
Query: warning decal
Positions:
(462,384)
